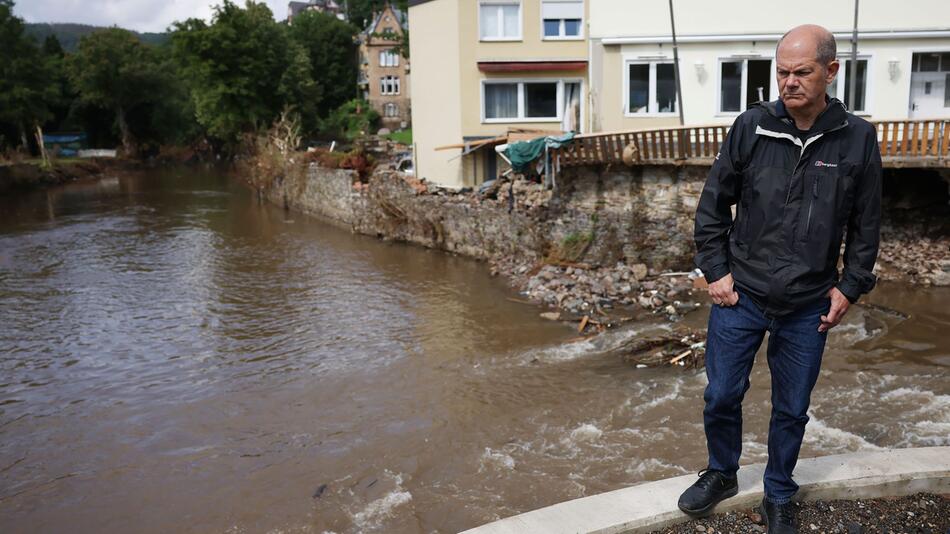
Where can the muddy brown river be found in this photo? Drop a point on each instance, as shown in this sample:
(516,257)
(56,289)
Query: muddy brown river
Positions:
(175,357)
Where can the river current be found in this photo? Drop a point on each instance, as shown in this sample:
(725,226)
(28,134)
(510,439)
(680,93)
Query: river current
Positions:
(175,357)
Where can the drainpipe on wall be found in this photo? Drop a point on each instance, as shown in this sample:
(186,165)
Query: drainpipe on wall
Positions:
(676,66)
(852,83)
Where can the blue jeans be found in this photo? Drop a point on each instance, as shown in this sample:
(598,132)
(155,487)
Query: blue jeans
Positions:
(734,335)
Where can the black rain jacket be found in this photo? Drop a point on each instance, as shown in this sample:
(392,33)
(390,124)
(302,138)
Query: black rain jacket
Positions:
(795,197)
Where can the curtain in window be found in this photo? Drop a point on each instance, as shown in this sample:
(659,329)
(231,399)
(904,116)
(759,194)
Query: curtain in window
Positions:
(572,102)
(501,100)
(510,12)
(665,88)
(731,86)
(639,87)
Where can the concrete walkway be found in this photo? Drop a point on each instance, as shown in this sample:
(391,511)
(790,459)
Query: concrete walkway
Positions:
(652,505)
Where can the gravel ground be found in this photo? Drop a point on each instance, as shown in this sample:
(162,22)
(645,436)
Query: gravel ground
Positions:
(916,514)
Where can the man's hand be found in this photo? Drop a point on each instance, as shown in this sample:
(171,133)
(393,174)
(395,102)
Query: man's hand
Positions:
(721,291)
(839,307)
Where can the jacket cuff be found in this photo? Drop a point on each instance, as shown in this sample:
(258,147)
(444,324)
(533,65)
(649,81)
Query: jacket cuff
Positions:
(849,290)
(715,272)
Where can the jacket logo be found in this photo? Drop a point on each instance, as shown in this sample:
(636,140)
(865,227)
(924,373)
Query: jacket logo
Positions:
(820,163)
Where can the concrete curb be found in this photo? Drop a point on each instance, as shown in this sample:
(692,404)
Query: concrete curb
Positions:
(652,505)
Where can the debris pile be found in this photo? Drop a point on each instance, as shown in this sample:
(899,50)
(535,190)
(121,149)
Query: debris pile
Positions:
(907,257)
(580,289)
(682,347)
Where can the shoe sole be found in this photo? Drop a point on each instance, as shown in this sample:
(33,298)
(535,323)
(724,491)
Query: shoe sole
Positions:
(702,512)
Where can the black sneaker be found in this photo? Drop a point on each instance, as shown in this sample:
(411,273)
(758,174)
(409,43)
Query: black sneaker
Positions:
(705,493)
(779,518)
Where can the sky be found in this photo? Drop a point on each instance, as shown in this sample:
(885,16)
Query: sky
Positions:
(139,15)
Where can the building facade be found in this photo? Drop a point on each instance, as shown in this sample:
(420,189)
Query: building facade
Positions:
(624,55)
(484,67)
(384,71)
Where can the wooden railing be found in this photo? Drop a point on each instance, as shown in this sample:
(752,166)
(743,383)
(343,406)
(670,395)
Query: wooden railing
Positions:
(923,142)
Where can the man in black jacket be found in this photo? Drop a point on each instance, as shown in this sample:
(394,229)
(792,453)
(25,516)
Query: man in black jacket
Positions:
(800,171)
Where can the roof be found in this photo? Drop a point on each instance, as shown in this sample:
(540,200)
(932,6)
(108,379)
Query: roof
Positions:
(401,18)
(417,2)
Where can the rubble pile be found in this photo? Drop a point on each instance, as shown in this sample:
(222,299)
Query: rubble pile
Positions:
(580,289)
(907,257)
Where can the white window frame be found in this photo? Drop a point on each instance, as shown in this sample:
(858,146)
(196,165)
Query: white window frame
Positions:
(389,85)
(743,85)
(501,22)
(869,82)
(388,58)
(561,27)
(651,96)
(522,108)
(390,110)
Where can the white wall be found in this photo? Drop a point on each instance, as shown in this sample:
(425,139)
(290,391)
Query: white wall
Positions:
(886,98)
(621,18)
(436,91)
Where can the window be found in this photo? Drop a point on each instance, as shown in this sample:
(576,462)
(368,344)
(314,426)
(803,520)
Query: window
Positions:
(523,101)
(651,88)
(388,58)
(389,85)
(931,62)
(743,82)
(499,21)
(390,109)
(840,85)
(562,18)
(540,100)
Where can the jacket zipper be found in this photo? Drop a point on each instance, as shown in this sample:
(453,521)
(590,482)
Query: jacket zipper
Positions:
(814,190)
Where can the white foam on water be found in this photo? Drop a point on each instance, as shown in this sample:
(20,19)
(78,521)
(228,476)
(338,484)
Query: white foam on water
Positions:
(586,432)
(376,512)
(826,437)
(641,468)
(495,458)
(662,399)
(600,344)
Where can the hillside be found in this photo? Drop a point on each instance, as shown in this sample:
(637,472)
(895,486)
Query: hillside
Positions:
(69,34)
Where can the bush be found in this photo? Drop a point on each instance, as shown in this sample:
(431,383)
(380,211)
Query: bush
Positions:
(349,121)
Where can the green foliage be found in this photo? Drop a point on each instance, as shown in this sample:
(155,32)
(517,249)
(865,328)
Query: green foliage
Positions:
(402,136)
(243,69)
(27,81)
(571,249)
(69,35)
(113,70)
(333,56)
(349,121)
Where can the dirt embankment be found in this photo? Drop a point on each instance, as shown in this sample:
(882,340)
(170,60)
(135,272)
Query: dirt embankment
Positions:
(26,176)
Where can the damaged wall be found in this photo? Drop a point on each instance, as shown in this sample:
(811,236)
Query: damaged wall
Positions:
(638,215)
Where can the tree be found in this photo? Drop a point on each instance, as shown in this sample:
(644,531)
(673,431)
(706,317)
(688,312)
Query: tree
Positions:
(243,69)
(330,45)
(26,82)
(112,69)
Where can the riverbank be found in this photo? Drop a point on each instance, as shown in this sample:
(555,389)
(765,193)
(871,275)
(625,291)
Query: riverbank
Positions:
(33,175)
(606,246)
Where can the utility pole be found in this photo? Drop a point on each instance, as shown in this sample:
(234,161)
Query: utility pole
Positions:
(676,67)
(853,75)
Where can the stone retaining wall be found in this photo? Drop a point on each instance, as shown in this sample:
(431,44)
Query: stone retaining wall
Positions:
(638,215)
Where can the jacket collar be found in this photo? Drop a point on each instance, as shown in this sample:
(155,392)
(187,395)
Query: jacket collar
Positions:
(776,117)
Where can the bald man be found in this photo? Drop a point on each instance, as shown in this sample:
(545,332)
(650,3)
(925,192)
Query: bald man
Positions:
(800,170)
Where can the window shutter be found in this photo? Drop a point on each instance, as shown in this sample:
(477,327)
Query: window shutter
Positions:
(562,9)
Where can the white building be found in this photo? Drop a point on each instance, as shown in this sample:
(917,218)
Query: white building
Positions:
(618,55)
(727,51)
